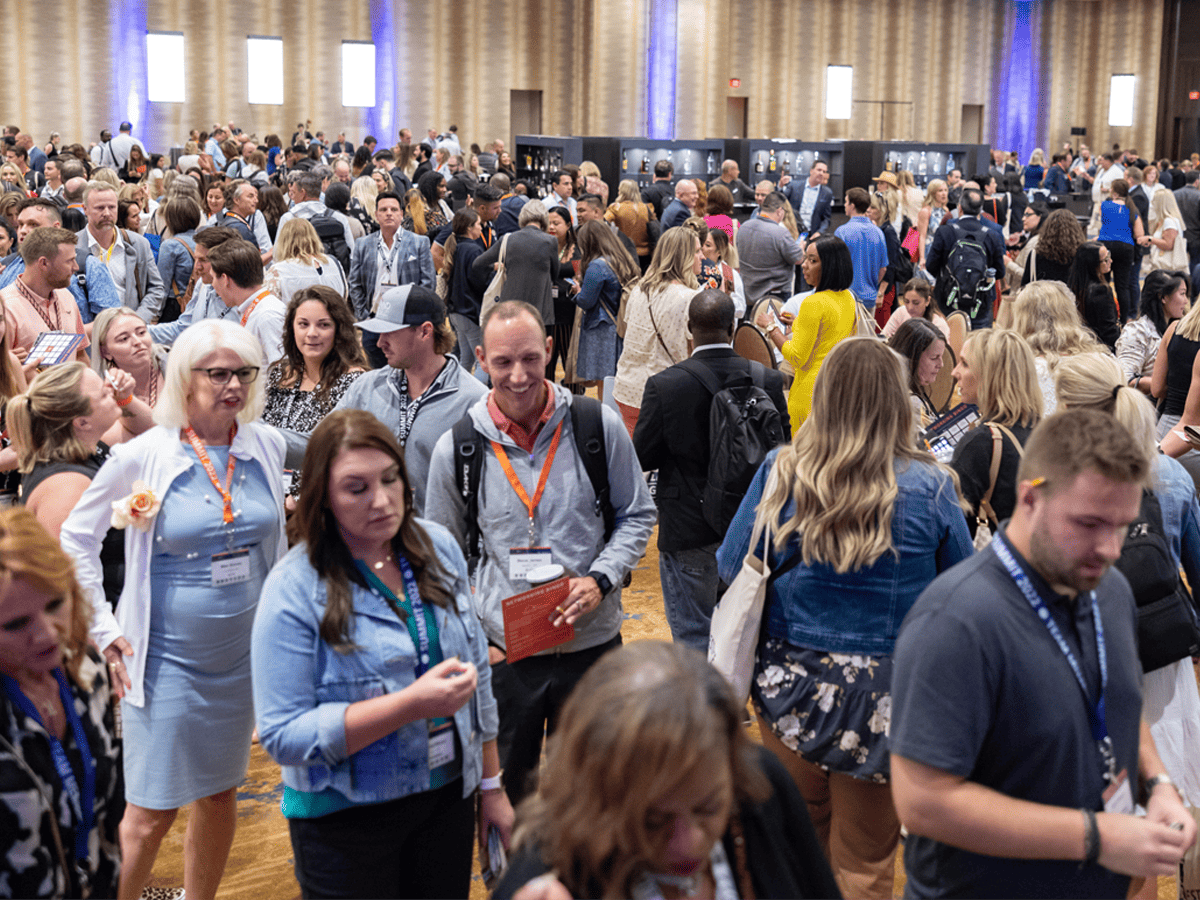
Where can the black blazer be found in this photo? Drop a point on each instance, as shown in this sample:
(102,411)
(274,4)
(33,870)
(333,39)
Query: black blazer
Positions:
(822,211)
(672,436)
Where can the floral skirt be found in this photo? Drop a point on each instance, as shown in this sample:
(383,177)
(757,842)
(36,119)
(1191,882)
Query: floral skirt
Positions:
(834,709)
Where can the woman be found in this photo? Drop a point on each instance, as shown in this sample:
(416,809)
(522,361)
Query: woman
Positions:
(933,212)
(191,156)
(923,349)
(530,261)
(718,249)
(382,747)
(1024,240)
(606,269)
(432,186)
(465,287)
(656,319)
(1120,228)
(825,317)
(214,204)
(56,699)
(177,254)
(272,205)
(1168,248)
(719,212)
(918,304)
(674,802)
(1164,299)
(593,181)
(8,239)
(1150,181)
(300,262)
(995,206)
(1035,170)
(909,202)
(179,645)
(322,357)
(1091,282)
(363,192)
(129,216)
(337,200)
(899,267)
(360,161)
(121,342)
(1045,315)
(415,213)
(862,520)
(1059,238)
(504,164)
(633,218)
(382,182)
(1170,701)
(12,181)
(997,373)
(566,285)
(136,167)
(710,273)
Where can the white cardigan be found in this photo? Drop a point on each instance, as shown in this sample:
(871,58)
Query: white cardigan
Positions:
(157,457)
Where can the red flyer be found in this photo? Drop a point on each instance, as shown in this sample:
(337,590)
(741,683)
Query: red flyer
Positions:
(527,626)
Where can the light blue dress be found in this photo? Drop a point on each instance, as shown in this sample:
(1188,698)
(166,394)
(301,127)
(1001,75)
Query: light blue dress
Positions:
(192,738)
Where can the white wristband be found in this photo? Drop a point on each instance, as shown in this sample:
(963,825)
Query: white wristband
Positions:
(491,784)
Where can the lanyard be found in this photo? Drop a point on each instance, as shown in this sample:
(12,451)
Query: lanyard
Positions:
(1096,713)
(257,300)
(106,255)
(36,302)
(530,505)
(83,801)
(388,257)
(414,601)
(488,235)
(194,440)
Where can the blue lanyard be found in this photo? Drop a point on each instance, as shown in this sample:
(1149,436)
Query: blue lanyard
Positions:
(82,802)
(414,600)
(1096,713)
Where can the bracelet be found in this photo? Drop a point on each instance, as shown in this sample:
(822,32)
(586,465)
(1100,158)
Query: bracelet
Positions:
(1091,838)
(125,402)
(488,785)
(1150,784)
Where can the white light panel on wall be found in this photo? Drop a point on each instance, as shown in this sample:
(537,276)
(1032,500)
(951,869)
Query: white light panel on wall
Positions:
(164,57)
(1120,100)
(358,74)
(264,68)
(839,94)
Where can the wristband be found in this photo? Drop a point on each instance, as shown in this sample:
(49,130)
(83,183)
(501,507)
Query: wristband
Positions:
(125,402)
(1091,838)
(492,784)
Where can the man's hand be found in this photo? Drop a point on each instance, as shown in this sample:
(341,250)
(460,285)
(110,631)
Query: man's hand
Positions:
(583,596)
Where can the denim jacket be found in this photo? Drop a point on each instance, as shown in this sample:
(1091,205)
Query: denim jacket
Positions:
(302,686)
(858,612)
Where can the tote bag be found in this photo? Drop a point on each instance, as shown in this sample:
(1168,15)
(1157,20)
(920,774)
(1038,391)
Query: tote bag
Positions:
(492,294)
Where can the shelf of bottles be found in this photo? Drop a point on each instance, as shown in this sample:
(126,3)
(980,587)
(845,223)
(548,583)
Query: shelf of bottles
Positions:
(770,160)
(929,161)
(538,157)
(634,158)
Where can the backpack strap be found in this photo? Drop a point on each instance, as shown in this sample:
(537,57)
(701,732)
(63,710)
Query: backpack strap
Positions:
(587,423)
(985,515)
(81,258)
(468,468)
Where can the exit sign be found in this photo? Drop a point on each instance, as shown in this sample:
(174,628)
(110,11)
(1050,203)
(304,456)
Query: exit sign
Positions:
(1194,95)
(737,83)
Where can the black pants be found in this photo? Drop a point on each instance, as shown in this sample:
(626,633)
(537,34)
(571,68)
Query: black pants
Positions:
(417,846)
(1122,269)
(530,693)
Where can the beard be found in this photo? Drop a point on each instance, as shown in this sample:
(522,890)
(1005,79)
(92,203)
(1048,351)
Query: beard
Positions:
(1061,570)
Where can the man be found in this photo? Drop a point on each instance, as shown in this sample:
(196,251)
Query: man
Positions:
(422,154)
(487,159)
(386,160)
(73,188)
(768,254)
(868,250)
(341,145)
(761,191)
(729,179)
(1056,180)
(19,157)
(487,200)
(422,391)
(954,181)
(243,208)
(508,220)
(965,226)
(213,146)
(405,136)
(562,189)
(370,143)
(659,192)
(680,209)
(342,171)
(102,153)
(127,254)
(204,304)
(672,436)
(1016,734)
(590,208)
(812,200)
(386,259)
(238,166)
(37,156)
(238,280)
(1188,199)
(38,300)
(1108,172)
(91,286)
(528,429)
(461,183)
(53,189)
(123,143)
(305,191)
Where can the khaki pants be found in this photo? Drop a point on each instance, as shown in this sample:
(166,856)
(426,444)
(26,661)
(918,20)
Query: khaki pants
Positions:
(855,822)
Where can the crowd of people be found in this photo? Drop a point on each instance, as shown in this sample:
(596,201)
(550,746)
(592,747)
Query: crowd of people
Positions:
(296,435)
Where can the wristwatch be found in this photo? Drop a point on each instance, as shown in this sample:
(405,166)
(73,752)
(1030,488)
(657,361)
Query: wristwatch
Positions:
(602,582)
(1150,784)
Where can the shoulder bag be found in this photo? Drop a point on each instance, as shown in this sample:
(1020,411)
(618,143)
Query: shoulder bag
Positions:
(492,294)
(985,516)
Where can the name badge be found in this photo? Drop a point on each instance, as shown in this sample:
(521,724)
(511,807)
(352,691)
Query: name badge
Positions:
(1119,796)
(523,560)
(441,745)
(231,567)
(289,478)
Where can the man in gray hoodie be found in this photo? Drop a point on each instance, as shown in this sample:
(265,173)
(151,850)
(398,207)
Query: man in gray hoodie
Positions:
(529,440)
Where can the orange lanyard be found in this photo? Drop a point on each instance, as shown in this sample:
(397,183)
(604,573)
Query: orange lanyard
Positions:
(530,505)
(257,300)
(198,446)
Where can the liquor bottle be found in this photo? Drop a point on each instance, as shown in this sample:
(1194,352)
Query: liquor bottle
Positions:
(625,161)
(758,167)
(787,166)
(645,164)
(923,170)
(771,164)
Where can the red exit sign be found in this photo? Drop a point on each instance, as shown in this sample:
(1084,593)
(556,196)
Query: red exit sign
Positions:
(737,83)
(1194,95)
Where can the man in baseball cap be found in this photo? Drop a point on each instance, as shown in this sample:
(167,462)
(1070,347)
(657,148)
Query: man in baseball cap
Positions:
(423,390)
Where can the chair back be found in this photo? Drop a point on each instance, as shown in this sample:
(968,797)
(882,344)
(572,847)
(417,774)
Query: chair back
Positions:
(750,343)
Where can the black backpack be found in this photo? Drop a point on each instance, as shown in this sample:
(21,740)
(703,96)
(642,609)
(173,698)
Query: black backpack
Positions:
(1167,627)
(967,286)
(333,238)
(743,427)
(588,429)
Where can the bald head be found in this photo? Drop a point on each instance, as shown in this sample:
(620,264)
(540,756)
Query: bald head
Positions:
(73,189)
(710,317)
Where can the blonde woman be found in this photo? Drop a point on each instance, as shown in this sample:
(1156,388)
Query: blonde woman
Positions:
(1045,314)
(1168,249)
(863,520)
(363,191)
(593,182)
(1035,172)
(933,212)
(912,198)
(300,262)
(1175,384)
(633,218)
(656,318)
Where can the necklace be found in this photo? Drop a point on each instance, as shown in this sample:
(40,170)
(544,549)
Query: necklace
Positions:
(383,562)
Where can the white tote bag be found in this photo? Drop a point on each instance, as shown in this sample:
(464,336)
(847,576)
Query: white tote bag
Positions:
(492,294)
(738,617)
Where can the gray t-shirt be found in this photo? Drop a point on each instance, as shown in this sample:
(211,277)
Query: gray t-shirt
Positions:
(768,256)
(980,689)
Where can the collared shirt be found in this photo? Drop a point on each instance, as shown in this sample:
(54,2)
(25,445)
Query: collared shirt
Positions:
(24,321)
(114,258)
(808,203)
(387,266)
(524,439)
(722,346)
(264,314)
(569,204)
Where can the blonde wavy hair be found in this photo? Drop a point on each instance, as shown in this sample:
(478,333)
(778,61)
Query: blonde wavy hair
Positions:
(1008,392)
(1045,314)
(931,192)
(672,262)
(298,240)
(840,469)
(1097,381)
(1189,325)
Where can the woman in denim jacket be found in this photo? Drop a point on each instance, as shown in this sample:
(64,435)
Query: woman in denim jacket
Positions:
(862,521)
(371,681)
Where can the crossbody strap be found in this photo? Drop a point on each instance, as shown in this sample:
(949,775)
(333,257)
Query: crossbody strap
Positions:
(985,515)
(657,333)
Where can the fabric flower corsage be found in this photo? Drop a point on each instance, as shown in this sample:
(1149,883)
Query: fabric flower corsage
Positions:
(138,509)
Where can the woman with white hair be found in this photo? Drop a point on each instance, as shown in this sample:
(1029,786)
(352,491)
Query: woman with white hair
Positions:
(201,496)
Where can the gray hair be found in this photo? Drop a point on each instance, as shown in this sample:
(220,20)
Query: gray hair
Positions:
(534,212)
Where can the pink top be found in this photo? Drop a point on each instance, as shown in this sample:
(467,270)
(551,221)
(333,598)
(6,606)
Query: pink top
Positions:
(900,316)
(723,222)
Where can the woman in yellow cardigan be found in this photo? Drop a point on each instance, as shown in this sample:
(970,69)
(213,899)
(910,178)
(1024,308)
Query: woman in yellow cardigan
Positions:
(825,317)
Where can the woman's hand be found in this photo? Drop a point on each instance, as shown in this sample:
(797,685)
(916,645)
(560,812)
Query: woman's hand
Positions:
(114,655)
(122,384)
(544,887)
(443,690)
(495,809)
(764,320)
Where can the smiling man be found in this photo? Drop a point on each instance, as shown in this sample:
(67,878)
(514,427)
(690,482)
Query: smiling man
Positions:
(537,505)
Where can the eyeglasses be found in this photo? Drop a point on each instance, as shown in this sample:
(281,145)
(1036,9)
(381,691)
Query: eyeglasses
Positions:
(245,375)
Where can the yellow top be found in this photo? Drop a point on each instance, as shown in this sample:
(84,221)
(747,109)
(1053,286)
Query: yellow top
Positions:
(824,318)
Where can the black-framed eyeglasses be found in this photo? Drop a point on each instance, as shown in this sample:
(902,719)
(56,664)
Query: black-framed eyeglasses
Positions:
(245,375)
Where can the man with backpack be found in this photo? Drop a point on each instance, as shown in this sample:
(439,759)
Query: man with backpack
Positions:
(332,228)
(555,482)
(706,424)
(967,260)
